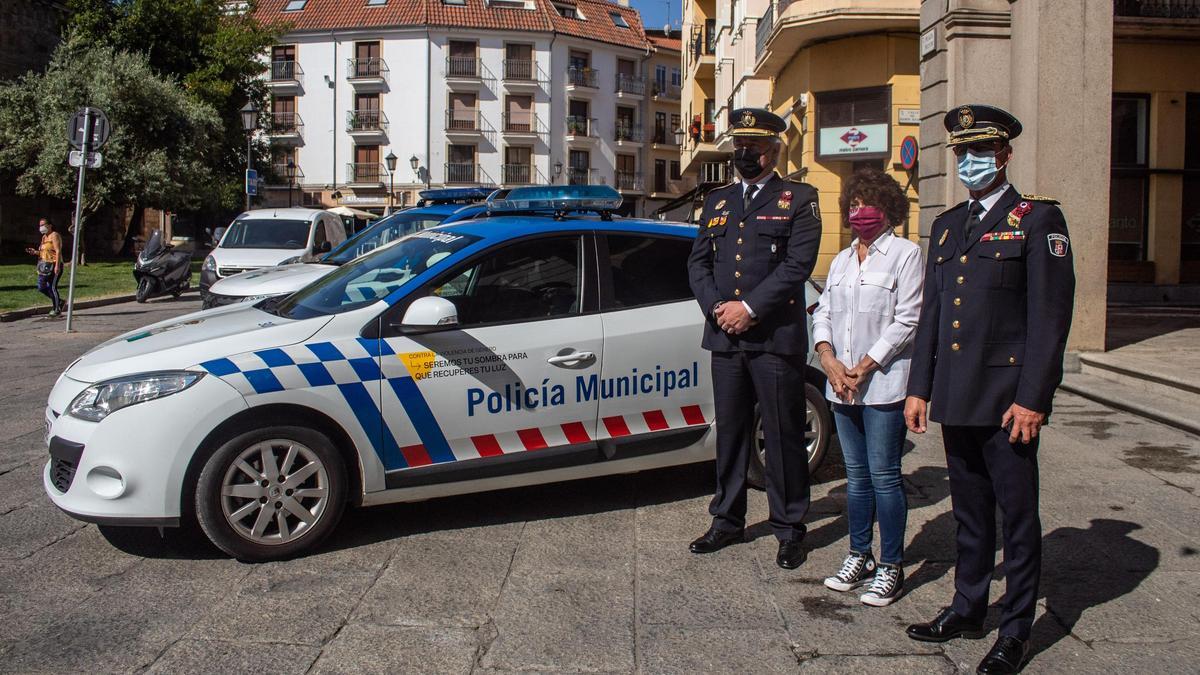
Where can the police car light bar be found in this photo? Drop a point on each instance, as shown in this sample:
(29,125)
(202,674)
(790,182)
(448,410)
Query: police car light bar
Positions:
(455,194)
(557,198)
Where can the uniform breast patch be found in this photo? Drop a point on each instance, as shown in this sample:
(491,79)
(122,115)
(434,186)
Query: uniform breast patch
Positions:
(1058,244)
(1007,235)
(785,200)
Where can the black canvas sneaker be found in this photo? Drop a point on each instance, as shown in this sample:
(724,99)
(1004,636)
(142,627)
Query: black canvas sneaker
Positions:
(886,587)
(857,570)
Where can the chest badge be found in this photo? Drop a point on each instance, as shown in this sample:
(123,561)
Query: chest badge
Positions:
(1015,216)
(942,241)
(720,204)
(785,200)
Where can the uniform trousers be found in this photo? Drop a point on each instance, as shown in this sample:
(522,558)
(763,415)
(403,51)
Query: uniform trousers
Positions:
(776,382)
(987,471)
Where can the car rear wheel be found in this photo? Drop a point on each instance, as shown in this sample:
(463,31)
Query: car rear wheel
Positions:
(271,493)
(818,428)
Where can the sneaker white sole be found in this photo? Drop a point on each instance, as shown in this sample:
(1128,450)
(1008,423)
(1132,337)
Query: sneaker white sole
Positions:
(835,585)
(877,601)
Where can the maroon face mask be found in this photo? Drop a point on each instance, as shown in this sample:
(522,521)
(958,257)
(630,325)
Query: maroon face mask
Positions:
(867,222)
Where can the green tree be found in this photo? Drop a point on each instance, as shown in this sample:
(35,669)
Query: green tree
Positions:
(215,54)
(160,152)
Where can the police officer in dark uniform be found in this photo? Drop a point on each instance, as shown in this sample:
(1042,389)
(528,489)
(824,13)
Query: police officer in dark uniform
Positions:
(756,248)
(999,291)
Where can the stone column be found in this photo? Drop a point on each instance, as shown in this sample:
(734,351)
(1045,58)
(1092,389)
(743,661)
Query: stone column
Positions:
(1061,67)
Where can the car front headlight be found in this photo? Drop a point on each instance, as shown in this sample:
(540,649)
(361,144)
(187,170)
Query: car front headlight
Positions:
(104,398)
(210,264)
(291,261)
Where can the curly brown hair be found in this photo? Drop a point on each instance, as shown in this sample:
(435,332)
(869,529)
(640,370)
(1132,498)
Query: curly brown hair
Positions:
(875,188)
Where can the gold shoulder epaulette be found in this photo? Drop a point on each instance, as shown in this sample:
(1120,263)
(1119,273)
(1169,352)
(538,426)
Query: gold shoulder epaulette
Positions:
(1040,198)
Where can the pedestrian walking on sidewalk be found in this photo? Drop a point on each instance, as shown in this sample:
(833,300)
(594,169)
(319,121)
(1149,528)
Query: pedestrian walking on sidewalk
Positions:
(49,264)
(863,328)
(988,355)
(756,248)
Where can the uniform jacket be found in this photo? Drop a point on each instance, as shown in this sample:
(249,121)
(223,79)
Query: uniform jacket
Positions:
(761,256)
(995,313)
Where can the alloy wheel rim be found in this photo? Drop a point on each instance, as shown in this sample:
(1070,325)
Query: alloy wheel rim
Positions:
(812,434)
(275,492)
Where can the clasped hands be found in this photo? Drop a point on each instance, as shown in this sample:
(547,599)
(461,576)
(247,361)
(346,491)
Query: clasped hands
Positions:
(733,317)
(845,381)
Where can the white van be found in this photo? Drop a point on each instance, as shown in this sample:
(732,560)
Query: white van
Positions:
(269,237)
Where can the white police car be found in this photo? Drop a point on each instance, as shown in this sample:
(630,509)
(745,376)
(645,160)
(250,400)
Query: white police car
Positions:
(533,346)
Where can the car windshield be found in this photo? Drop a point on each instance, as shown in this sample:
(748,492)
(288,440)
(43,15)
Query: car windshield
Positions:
(384,232)
(267,233)
(372,277)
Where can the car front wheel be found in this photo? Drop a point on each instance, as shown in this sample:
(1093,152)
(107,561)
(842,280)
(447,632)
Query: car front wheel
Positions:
(818,428)
(271,493)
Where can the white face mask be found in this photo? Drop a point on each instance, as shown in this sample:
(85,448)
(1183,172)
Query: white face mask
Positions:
(977,170)
(44,230)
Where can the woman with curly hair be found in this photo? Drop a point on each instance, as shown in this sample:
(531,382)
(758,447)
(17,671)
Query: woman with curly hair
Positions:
(863,329)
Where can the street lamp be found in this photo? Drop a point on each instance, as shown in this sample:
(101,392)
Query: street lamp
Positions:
(415,163)
(391,167)
(291,173)
(679,134)
(557,169)
(249,124)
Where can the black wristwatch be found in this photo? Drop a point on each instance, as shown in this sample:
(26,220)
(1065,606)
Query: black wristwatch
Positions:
(717,304)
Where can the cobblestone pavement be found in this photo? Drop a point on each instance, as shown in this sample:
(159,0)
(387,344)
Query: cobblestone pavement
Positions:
(591,576)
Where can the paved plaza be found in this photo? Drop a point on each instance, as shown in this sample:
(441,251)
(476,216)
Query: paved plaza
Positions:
(591,576)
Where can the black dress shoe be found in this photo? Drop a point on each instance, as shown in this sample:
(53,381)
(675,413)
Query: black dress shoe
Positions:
(791,555)
(947,626)
(1007,656)
(715,540)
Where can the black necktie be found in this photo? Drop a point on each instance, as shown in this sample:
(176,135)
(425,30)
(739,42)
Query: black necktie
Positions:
(973,219)
(749,197)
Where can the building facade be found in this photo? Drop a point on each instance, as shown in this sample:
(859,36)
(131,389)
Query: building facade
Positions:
(1109,95)
(843,74)
(496,93)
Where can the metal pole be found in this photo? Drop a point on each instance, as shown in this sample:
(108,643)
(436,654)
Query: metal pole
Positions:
(249,136)
(391,188)
(87,147)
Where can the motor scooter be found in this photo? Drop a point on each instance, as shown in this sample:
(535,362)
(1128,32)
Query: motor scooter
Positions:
(161,270)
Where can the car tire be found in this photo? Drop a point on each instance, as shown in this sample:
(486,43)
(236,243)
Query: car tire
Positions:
(820,425)
(294,499)
(143,289)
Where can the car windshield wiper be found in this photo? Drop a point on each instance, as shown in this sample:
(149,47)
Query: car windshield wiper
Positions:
(270,305)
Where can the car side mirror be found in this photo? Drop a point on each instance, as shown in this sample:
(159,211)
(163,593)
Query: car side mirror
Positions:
(428,313)
(324,247)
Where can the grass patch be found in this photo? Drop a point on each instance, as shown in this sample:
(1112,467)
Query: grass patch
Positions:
(18,282)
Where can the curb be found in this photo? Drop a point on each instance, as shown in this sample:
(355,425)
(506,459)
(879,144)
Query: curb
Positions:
(1183,424)
(83,304)
(1140,375)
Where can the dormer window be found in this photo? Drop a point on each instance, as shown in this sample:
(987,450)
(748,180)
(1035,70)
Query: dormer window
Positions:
(619,20)
(570,12)
(376,3)
(295,5)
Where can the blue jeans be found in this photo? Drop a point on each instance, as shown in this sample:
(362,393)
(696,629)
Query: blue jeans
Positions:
(872,438)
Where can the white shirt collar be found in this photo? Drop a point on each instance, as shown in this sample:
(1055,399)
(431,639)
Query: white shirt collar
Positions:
(881,243)
(761,182)
(989,200)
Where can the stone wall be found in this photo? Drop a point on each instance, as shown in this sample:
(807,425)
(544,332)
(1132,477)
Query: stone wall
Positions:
(29,31)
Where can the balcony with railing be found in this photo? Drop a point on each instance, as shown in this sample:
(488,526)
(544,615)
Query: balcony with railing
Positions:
(521,174)
(789,25)
(1170,20)
(522,123)
(628,133)
(579,128)
(701,51)
(630,86)
(285,126)
(365,173)
(367,72)
(579,176)
(661,91)
(523,73)
(466,173)
(284,75)
(579,79)
(629,181)
(664,136)
(366,123)
(283,176)
(466,122)
(1158,9)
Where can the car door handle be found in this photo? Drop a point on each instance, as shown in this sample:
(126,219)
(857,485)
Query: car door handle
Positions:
(571,358)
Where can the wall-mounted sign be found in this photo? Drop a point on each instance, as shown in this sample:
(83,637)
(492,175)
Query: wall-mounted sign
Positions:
(908,153)
(910,115)
(360,199)
(854,124)
(929,42)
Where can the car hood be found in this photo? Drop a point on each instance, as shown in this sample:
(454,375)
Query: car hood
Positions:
(280,280)
(186,341)
(254,257)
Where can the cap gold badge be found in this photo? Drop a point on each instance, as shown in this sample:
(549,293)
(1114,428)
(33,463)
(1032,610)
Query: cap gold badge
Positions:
(748,119)
(966,118)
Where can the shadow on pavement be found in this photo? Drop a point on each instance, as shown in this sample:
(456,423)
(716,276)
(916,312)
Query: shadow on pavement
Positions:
(1074,579)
